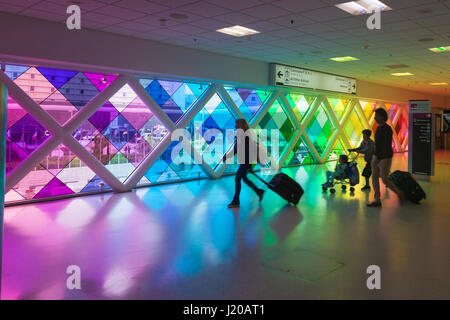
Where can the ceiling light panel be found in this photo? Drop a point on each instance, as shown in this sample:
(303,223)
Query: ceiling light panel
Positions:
(357,8)
(402,74)
(238,31)
(440,49)
(344,59)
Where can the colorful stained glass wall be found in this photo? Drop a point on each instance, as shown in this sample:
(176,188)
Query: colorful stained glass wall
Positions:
(128,122)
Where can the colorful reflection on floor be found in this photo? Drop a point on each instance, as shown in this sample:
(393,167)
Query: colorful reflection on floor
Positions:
(179,241)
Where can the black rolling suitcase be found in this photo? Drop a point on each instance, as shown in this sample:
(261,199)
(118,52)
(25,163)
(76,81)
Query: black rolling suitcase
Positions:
(404,180)
(284,186)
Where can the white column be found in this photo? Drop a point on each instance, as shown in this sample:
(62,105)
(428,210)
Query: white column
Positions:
(3,124)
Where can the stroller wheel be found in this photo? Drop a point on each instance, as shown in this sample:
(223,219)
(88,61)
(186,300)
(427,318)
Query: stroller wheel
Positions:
(332,190)
(352,189)
(344,187)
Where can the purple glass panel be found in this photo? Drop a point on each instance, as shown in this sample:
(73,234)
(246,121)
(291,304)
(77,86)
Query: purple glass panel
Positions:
(96,184)
(28,134)
(119,132)
(243,93)
(157,92)
(54,188)
(57,77)
(253,102)
(172,110)
(170,86)
(104,116)
(85,134)
(100,81)
(79,90)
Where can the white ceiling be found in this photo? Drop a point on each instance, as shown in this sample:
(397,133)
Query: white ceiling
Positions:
(314,28)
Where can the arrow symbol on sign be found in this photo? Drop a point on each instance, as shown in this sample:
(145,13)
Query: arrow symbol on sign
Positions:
(279,74)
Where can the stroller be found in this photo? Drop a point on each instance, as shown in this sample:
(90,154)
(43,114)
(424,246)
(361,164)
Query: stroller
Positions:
(351,178)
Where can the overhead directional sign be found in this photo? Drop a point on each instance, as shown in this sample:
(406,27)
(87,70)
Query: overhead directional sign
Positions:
(282,75)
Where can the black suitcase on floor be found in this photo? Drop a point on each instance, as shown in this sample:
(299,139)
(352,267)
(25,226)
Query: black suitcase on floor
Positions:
(284,186)
(405,182)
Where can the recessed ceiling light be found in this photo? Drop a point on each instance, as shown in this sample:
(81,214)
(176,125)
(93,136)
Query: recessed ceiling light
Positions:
(424,11)
(440,49)
(344,59)
(162,22)
(426,39)
(439,83)
(397,66)
(360,7)
(238,31)
(180,16)
(402,74)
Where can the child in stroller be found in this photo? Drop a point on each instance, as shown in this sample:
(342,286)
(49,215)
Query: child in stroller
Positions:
(345,173)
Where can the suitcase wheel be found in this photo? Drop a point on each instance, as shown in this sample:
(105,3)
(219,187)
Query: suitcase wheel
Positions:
(352,189)
(344,187)
(332,190)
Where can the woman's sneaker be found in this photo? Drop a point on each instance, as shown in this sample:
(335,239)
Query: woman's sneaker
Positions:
(233,204)
(374,204)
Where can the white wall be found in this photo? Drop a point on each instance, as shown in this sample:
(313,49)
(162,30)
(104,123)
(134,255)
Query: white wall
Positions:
(39,41)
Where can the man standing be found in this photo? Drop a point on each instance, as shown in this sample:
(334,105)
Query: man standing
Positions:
(382,158)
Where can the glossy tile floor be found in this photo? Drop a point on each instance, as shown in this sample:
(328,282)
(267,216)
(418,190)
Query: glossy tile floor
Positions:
(180,241)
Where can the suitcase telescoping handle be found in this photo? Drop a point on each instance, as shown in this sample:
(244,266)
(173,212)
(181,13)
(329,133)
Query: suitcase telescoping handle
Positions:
(259,178)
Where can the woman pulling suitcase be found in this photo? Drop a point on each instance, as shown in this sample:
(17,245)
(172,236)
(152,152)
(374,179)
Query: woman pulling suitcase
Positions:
(246,149)
(382,158)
